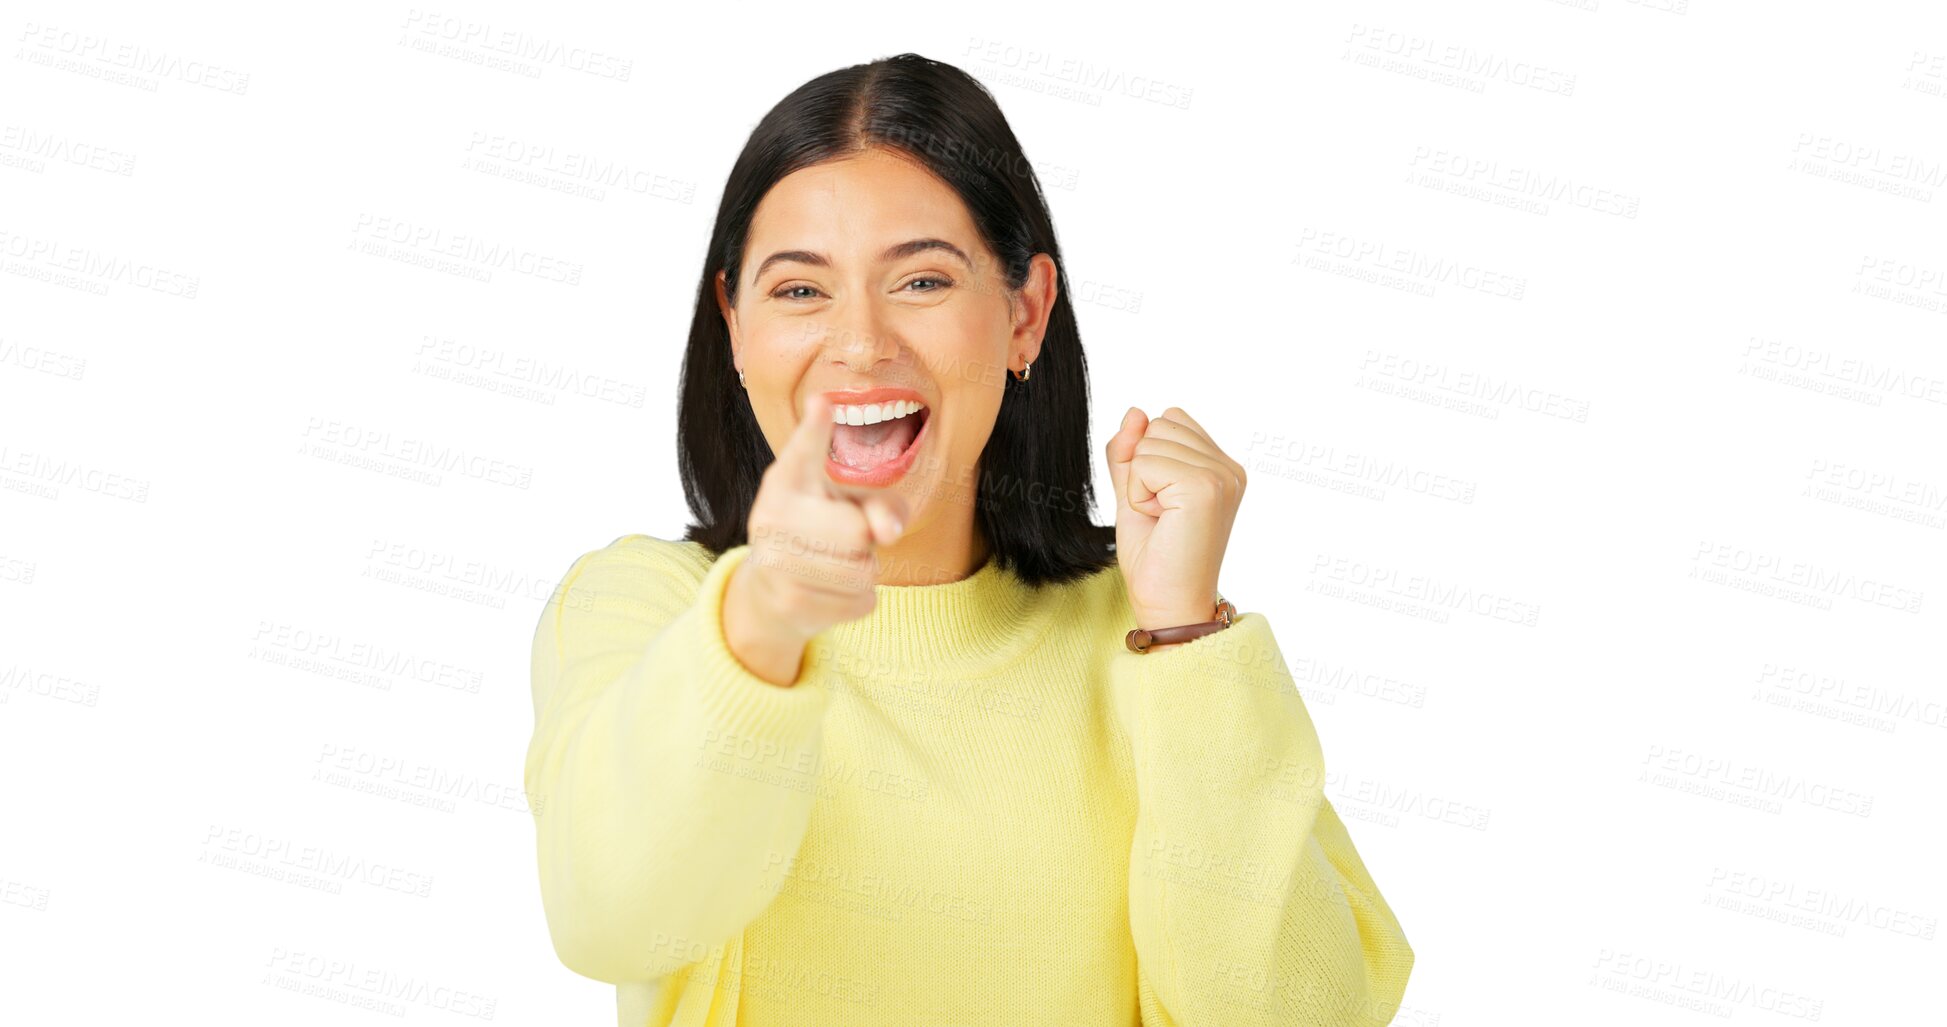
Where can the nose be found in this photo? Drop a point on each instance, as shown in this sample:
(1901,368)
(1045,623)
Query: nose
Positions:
(859,338)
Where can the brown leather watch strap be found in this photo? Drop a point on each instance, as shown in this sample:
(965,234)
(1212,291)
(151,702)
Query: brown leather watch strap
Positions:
(1140,639)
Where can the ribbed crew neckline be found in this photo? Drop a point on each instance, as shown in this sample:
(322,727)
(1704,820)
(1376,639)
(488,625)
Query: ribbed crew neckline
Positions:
(986,619)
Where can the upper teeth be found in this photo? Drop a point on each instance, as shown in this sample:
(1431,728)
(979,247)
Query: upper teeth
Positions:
(873,413)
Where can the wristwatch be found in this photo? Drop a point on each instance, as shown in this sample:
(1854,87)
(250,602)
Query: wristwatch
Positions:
(1140,639)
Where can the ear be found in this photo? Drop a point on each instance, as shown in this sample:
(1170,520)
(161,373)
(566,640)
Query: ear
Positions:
(1032,304)
(729,317)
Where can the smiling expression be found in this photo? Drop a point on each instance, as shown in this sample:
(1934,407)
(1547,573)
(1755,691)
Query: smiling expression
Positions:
(867,274)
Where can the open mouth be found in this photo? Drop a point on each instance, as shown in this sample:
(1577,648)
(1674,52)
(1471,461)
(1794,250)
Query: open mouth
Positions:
(874,442)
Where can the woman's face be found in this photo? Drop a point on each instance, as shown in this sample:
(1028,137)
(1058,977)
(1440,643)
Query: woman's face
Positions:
(832,300)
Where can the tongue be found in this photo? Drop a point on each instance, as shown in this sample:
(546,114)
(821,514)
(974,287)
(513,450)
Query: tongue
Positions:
(865,446)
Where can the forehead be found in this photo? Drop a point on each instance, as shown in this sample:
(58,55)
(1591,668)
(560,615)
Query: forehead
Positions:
(860,203)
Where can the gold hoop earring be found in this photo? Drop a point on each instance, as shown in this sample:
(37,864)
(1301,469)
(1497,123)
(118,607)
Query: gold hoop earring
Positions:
(1027,368)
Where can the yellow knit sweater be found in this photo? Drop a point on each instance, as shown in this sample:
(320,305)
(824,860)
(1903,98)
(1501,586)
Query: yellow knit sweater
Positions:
(975,807)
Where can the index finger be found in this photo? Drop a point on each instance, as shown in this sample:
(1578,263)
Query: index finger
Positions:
(810,442)
(1190,422)
(809,448)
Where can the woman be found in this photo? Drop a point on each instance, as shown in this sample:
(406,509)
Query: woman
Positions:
(874,744)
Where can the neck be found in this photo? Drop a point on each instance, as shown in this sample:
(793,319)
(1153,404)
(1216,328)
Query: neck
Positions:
(930,556)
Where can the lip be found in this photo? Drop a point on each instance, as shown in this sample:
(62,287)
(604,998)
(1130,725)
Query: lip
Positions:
(882,394)
(894,469)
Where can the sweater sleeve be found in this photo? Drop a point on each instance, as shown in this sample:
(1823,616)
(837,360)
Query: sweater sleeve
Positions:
(1247,902)
(670,785)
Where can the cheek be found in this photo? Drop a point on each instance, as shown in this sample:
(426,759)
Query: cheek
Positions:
(971,342)
(971,422)
(967,357)
(777,338)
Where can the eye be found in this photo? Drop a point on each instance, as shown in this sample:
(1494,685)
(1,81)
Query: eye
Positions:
(780,292)
(939,281)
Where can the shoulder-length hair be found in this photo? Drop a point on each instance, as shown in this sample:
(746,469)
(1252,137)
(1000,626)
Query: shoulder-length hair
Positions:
(1036,491)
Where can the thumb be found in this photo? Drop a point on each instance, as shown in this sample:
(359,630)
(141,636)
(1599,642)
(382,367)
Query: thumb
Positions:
(886,512)
(1122,449)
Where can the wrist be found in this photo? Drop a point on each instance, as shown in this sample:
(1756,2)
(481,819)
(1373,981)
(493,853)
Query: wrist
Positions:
(1175,616)
(756,637)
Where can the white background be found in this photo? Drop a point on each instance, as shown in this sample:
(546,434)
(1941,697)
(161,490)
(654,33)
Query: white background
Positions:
(1587,359)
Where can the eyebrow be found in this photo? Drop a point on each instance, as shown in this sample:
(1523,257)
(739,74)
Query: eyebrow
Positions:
(902,250)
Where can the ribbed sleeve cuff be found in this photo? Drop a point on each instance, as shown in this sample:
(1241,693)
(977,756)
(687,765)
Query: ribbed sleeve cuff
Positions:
(732,698)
